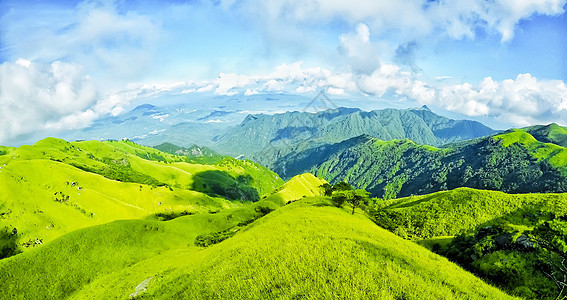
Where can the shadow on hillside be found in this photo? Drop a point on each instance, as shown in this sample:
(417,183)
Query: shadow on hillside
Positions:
(219,183)
(8,242)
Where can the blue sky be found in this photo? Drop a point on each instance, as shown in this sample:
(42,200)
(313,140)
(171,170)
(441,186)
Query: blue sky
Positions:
(65,63)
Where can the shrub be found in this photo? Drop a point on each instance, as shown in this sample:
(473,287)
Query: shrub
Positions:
(206,240)
(8,242)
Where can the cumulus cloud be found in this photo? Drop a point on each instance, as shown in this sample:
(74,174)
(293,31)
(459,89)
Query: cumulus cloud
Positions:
(521,101)
(285,78)
(94,34)
(413,19)
(36,97)
(359,51)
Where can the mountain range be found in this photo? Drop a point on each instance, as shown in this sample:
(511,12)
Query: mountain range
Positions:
(266,138)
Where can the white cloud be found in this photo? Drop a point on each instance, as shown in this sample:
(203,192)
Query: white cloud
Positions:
(359,51)
(226,84)
(94,34)
(250,92)
(285,78)
(156,131)
(336,91)
(206,88)
(159,117)
(412,19)
(36,97)
(522,101)
(387,77)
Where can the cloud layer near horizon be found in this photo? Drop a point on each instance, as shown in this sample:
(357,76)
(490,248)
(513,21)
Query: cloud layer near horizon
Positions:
(37,98)
(521,101)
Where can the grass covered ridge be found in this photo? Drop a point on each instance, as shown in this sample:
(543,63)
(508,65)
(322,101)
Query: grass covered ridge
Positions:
(516,242)
(304,185)
(556,155)
(307,249)
(55,187)
(448,213)
(72,262)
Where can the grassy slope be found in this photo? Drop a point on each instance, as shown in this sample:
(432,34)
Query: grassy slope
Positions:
(304,185)
(449,212)
(498,235)
(28,195)
(551,133)
(303,250)
(73,261)
(44,196)
(558,134)
(556,155)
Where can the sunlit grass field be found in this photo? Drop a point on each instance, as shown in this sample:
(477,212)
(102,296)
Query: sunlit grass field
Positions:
(307,249)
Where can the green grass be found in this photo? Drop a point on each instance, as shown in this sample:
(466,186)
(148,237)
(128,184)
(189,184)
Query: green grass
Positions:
(558,134)
(55,187)
(304,185)
(551,133)
(555,154)
(30,190)
(307,249)
(67,264)
(448,213)
(493,234)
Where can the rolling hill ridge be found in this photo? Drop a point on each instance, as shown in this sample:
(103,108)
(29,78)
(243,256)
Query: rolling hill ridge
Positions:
(306,249)
(54,187)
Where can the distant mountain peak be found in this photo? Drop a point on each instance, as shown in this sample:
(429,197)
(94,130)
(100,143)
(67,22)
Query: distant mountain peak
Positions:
(144,107)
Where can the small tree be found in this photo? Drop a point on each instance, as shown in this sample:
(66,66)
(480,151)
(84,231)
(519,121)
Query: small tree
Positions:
(8,242)
(339,198)
(342,186)
(358,197)
(327,189)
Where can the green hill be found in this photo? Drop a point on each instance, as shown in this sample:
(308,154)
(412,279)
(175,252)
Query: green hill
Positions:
(304,185)
(307,249)
(514,241)
(449,213)
(513,162)
(551,133)
(55,187)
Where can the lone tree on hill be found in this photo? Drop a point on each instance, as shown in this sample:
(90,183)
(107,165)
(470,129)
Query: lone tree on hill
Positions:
(328,189)
(343,192)
(339,198)
(358,198)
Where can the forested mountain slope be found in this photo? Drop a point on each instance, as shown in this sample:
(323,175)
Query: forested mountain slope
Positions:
(265,138)
(515,241)
(513,162)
